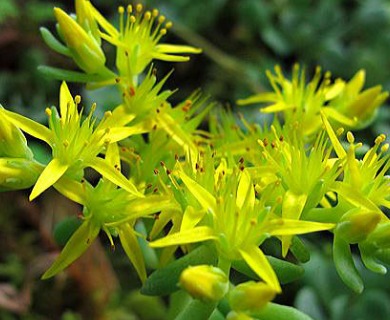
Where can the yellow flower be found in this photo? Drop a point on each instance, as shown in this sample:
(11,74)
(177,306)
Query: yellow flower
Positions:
(111,209)
(205,282)
(340,101)
(137,39)
(235,219)
(85,50)
(75,144)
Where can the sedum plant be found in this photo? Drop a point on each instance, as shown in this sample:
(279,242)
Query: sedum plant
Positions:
(208,200)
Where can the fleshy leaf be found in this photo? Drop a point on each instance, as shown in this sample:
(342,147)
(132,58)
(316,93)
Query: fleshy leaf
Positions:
(345,265)
(274,311)
(164,280)
(53,43)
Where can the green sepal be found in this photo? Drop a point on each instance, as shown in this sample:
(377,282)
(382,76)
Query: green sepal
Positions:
(345,265)
(70,76)
(53,43)
(367,253)
(274,311)
(285,271)
(164,281)
(383,255)
(299,250)
(76,246)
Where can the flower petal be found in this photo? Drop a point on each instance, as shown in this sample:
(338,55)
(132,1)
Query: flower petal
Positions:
(114,176)
(133,251)
(206,200)
(71,189)
(29,126)
(76,246)
(281,227)
(49,176)
(197,234)
(173,48)
(259,263)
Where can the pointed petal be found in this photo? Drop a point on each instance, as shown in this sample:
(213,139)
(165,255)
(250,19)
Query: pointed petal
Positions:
(29,126)
(259,263)
(206,200)
(114,176)
(133,251)
(352,196)
(193,235)
(67,104)
(281,227)
(76,246)
(339,117)
(261,97)
(71,189)
(245,191)
(120,133)
(170,57)
(49,176)
(173,48)
(338,148)
(292,207)
(191,217)
(110,29)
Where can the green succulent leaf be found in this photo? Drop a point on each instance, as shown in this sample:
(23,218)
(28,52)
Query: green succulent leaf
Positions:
(164,280)
(274,311)
(345,265)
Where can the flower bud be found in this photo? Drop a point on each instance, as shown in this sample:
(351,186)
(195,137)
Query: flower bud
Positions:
(86,51)
(85,18)
(205,282)
(356,225)
(18,173)
(250,296)
(13,144)
(233,315)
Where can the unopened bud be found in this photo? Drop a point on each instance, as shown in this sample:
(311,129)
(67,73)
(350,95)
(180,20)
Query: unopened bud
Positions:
(250,296)
(205,282)
(357,224)
(86,51)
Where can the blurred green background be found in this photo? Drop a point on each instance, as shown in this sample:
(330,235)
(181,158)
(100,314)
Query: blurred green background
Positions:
(240,39)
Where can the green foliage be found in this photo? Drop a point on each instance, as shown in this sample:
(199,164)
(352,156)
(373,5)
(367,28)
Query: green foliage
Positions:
(206,202)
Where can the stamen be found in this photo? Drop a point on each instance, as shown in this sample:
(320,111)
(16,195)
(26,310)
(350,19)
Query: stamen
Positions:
(147,15)
(139,7)
(77,99)
(350,137)
(48,112)
(340,131)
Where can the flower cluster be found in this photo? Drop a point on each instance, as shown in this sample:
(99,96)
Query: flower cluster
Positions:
(218,196)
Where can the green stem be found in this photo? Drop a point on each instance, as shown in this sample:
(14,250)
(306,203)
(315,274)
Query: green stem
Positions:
(225,265)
